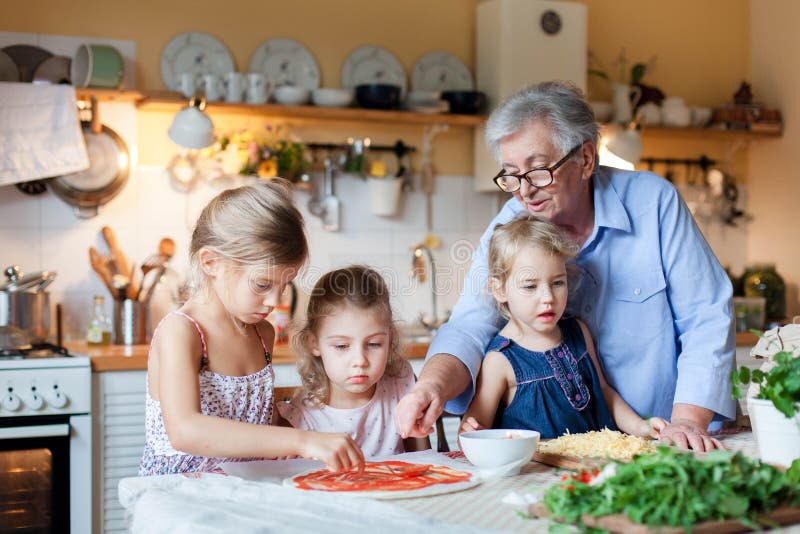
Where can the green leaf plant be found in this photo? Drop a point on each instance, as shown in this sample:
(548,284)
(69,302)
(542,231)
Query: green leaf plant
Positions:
(780,384)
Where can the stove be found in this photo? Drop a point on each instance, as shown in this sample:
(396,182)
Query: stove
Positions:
(45,440)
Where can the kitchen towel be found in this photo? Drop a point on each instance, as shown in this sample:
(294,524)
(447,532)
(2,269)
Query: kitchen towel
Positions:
(40,132)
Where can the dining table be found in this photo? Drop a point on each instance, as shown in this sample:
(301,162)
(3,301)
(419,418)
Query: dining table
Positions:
(255,501)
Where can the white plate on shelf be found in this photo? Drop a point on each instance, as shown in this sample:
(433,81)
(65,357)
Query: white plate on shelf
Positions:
(441,71)
(286,62)
(195,52)
(373,64)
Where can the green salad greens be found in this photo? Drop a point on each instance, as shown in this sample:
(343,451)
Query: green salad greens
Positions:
(671,488)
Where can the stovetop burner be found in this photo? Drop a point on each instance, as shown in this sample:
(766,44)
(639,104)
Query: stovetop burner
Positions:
(37,350)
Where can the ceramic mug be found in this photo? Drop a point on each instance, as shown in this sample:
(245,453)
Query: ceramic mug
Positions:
(234,85)
(96,65)
(212,86)
(675,112)
(188,84)
(258,88)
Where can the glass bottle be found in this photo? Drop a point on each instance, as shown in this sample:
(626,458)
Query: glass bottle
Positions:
(764,281)
(99,330)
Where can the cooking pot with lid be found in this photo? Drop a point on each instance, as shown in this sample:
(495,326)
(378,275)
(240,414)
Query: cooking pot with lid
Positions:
(24,303)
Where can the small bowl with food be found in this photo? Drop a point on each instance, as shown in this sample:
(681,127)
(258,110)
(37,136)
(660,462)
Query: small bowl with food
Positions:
(498,451)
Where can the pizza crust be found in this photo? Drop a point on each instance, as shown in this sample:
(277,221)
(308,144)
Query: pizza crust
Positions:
(435,489)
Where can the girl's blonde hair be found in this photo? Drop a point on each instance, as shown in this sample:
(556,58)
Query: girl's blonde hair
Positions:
(508,239)
(360,287)
(249,226)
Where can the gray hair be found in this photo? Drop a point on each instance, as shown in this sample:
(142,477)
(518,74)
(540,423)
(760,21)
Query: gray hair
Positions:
(561,105)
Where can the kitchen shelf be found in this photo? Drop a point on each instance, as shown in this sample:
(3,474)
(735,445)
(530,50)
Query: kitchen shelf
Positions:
(109,95)
(171,101)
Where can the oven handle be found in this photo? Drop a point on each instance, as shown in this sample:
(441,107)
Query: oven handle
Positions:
(34,431)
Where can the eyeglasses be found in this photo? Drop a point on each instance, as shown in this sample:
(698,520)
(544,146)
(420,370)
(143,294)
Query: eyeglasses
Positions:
(535,177)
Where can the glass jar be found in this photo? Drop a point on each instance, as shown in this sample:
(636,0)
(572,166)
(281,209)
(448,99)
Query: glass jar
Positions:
(764,281)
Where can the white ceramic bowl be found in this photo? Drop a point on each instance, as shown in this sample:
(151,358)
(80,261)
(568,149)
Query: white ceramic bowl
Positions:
(291,96)
(331,97)
(496,448)
(423,98)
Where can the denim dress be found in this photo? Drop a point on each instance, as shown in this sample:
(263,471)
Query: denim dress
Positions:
(557,390)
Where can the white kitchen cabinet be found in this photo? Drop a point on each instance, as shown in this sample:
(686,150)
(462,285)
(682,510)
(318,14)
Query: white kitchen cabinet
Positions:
(118,435)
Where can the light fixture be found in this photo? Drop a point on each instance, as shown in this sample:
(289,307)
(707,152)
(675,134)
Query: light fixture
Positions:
(621,147)
(191,127)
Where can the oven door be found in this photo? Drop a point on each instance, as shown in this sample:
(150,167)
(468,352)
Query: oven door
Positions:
(34,474)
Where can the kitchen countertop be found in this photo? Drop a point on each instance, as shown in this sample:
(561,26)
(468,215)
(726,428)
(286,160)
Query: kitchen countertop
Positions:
(134,357)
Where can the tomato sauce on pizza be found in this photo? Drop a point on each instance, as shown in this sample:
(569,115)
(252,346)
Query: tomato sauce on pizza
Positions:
(381,476)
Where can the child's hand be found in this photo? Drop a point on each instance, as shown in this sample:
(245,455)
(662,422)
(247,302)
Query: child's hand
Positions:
(337,450)
(469,424)
(653,427)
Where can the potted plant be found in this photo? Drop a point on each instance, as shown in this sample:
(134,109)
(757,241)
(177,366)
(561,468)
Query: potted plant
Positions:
(775,409)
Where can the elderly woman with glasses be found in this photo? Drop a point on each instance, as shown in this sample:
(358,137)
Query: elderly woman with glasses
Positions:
(651,291)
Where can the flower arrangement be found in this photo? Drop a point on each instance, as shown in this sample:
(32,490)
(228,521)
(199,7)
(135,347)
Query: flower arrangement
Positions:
(265,154)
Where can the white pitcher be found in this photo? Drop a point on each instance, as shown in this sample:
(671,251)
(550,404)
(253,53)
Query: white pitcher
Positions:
(624,100)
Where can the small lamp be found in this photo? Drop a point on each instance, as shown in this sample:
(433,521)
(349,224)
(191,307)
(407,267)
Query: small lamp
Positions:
(622,148)
(191,127)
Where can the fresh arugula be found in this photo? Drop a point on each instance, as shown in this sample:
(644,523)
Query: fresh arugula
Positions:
(781,384)
(677,489)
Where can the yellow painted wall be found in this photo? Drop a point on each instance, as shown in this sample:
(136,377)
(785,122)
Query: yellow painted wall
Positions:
(702,48)
(775,177)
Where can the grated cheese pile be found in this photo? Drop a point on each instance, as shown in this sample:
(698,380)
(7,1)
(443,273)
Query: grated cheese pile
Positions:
(602,443)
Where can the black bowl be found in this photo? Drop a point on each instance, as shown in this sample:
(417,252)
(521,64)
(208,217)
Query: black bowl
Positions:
(464,102)
(378,96)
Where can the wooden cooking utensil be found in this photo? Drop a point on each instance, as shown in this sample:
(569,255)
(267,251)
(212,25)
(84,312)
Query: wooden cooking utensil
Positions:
(166,248)
(120,262)
(100,267)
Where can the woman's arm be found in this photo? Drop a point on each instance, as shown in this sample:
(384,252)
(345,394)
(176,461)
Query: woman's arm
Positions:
(625,418)
(190,431)
(494,380)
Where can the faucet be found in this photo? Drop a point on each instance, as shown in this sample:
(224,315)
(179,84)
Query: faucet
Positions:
(327,206)
(420,272)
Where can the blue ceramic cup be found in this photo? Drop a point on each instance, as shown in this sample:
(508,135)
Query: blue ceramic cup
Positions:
(96,65)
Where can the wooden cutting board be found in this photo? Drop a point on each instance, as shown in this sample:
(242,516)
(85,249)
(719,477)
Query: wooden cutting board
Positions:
(576,463)
(619,523)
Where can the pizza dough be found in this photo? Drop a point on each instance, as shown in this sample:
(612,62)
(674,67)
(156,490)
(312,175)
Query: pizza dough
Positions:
(387,480)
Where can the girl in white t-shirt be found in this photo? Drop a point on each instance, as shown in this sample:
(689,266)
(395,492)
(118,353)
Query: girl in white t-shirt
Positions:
(350,364)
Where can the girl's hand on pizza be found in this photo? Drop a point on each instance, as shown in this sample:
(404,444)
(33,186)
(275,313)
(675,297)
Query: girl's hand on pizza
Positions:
(338,451)
(469,424)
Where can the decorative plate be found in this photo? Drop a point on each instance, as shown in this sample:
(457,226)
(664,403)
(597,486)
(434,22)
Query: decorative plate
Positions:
(53,70)
(286,62)
(8,69)
(373,64)
(195,52)
(441,71)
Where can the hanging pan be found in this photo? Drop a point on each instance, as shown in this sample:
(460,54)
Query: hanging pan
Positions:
(109,166)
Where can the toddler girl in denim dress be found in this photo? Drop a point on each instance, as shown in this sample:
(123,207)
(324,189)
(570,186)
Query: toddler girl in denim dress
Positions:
(541,371)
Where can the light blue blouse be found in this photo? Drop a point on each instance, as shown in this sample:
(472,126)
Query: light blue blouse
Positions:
(651,291)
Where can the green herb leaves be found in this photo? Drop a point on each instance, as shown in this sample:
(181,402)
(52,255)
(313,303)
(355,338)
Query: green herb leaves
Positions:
(781,384)
(677,489)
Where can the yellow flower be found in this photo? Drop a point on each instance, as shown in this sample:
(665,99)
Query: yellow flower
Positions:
(268,169)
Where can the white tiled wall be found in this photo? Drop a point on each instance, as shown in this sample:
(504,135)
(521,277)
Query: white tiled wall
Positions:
(42,232)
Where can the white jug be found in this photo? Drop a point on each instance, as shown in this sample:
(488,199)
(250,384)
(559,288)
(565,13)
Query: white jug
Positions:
(625,99)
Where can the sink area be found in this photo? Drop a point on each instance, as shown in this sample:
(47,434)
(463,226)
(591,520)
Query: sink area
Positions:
(415,334)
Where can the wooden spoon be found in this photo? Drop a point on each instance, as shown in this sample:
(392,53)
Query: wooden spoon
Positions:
(120,262)
(100,266)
